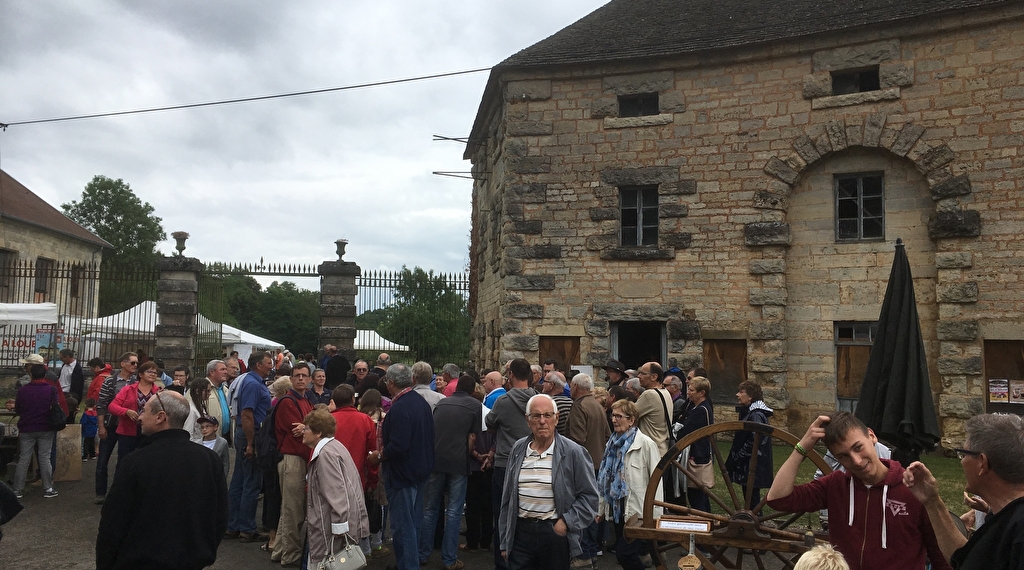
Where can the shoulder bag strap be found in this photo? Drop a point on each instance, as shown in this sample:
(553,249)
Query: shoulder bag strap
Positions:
(664,407)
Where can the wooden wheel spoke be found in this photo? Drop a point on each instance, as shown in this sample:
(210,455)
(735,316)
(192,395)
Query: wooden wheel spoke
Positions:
(725,477)
(751,470)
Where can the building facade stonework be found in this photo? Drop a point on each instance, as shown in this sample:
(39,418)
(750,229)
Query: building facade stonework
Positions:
(741,172)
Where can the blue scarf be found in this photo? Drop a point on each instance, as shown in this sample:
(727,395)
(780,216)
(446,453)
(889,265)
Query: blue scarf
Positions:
(611,480)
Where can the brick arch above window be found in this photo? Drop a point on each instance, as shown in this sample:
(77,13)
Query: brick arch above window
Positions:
(934,162)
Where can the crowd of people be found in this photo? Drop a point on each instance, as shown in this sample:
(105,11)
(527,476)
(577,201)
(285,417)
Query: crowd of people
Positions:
(545,467)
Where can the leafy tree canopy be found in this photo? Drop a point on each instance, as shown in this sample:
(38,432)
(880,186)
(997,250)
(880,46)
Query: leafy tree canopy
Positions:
(110,209)
(281,312)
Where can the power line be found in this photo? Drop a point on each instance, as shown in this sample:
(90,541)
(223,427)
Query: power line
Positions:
(243,99)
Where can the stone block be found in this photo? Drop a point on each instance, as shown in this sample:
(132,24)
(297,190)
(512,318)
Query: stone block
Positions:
(530,282)
(637,253)
(954,260)
(527,194)
(601,214)
(639,83)
(597,327)
(895,75)
(817,85)
(637,122)
(779,169)
(177,263)
(836,131)
(177,308)
(598,358)
(532,227)
(852,57)
(684,330)
(959,293)
(767,296)
(673,210)
(672,102)
(341,288)
(804,146)
(600,242)
(906,138)
(177,286)
(935,157)
(963,407)
(767,330)
(337,310)
(511,266)
(765,363)
(683,187)
(535,252)
(638,311)
(952,186)
(958,330)
(511,326)
(767,266)
(766,233)
(516,147)
(174,352)
(529,128)
(639,176)
(822,144)
(770,201)
(873,126)
(954,224)
(970,365)
(890,94)
(531,90)
(180,331)
(337,332)
(530,164)
(604,107)
(675,240)
(340,269)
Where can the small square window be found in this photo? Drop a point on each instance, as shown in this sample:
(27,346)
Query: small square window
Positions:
(638,105)
(638,212)
(860,207)
(855,81)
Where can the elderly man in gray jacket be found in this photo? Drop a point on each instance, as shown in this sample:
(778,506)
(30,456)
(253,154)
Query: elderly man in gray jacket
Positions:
(544,509)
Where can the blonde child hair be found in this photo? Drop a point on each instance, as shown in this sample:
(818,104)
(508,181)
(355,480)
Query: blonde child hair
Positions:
(822,557)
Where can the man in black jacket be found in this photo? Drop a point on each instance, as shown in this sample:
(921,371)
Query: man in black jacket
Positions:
(170,484)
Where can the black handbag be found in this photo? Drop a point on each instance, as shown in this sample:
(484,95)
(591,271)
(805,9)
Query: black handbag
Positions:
(56,419)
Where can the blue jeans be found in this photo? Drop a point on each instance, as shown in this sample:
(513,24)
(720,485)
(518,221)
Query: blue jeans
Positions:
(107,447)
(406,506)
(244,492)
(438,483)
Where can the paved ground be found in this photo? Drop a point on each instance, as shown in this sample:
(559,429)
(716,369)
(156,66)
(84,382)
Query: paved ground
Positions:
(60,533)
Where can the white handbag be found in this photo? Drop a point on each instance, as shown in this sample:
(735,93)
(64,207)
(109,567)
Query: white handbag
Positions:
(350,558)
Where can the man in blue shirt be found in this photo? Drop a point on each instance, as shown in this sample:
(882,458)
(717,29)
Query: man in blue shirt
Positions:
(252,400)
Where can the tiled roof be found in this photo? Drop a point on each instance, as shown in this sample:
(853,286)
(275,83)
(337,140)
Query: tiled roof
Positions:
(626,29)
(19,203)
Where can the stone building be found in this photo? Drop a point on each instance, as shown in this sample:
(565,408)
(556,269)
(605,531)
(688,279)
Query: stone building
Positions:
(722,182)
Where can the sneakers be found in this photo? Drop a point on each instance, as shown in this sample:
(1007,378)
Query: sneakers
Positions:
(85,460)
(49,493)
(379,552)
(18,495)
(457,565)
(99,499)
(581,563)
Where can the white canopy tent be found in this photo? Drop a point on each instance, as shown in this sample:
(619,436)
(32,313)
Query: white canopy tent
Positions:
(28,314)
(370,340)
(232,335)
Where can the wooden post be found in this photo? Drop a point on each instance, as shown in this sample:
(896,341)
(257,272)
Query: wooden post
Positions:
(69,454)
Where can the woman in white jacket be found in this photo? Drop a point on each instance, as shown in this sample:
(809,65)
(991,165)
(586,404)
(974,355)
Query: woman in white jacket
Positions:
(630,459)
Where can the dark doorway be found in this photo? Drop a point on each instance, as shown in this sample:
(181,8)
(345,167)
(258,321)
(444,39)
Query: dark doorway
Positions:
(639,342)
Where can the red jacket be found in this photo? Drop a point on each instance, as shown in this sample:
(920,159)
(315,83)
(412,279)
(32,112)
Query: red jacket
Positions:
(128,399)
(882,527)
(97,382)
(291,409)
(357,432)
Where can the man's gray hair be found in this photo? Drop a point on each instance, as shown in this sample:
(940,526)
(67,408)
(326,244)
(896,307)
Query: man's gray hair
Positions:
(556,379)
(422,372)
(675,381)
(174,405)
(400,375)
(451,370)
(634,384)
(536,369)
(212,365)
(529,403)
(383,359)
(1001,438)
(583,382)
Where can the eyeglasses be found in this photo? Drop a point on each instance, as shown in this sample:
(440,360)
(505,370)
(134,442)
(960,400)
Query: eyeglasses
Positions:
(133,362)
(362,369)
(546,416)
(961,452)
(620,417)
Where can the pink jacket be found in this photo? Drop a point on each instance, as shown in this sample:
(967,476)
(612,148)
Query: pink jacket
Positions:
(127,399)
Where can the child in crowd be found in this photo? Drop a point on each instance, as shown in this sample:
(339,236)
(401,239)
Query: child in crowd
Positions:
(72,410)
(90,426)
(212,439)
(822,557)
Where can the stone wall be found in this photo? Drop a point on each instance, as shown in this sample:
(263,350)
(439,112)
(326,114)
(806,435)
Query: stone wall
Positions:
(743,153)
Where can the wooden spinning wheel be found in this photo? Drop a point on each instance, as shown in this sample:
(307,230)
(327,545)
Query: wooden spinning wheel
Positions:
(740,535)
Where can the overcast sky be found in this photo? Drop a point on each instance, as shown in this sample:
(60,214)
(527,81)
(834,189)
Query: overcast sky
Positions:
(280,179)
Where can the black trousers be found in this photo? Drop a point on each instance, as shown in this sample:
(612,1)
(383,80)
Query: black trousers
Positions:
(536,546)
(497,485)
(479,523)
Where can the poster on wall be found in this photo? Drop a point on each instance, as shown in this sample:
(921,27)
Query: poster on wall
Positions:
(1017,391)
(998,391)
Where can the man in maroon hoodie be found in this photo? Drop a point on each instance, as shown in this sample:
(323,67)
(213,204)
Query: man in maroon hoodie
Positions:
(877,523)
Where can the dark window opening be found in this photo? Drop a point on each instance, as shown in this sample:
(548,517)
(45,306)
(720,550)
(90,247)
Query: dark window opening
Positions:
(639,342)
(853,349)
(638,212)
(855,81)
(7,261)
(76,280)
(1004,370)
(638,105)
(43,267)
(860,207)
(726,363)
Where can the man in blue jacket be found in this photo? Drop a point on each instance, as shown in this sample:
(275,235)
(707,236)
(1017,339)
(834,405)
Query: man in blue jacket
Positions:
(407,460)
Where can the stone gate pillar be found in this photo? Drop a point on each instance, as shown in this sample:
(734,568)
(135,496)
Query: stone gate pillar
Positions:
(338,301)
(177,307)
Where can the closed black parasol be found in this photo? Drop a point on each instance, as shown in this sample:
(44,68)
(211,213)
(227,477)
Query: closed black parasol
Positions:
(896,396)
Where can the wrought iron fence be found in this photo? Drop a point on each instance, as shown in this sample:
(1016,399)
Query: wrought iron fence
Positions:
(209,330)
(413,315)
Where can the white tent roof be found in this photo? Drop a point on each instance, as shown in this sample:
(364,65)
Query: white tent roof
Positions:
(370,340)
(28,313)
(232,335)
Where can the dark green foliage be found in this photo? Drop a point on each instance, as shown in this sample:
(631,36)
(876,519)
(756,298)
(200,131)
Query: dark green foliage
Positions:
(281,312)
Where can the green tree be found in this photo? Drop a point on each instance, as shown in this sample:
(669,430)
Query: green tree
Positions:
(110,209)
(430,316)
